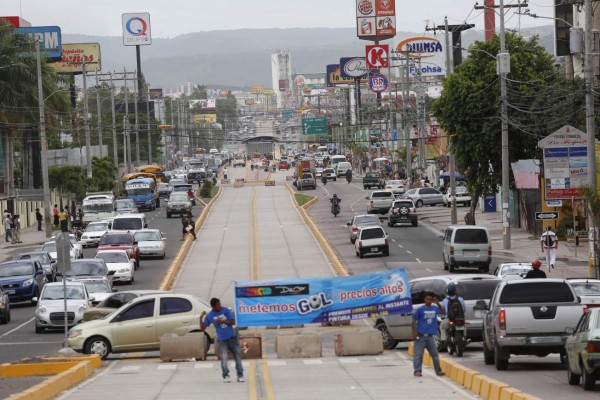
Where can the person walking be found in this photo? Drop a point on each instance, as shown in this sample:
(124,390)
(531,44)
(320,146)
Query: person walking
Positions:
(39,218)
(55,217)
(188,225)
(16,229)
(549,243)
(225,172)
(535,271)
(63,218)
(425,328)
(223,320)
(7,226)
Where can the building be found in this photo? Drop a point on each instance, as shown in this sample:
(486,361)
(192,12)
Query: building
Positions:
(281,74)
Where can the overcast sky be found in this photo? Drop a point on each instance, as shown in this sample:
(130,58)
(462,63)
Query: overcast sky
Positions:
(171,18)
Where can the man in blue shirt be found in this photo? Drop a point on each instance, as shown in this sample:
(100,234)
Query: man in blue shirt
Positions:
(424,331)
(223,320)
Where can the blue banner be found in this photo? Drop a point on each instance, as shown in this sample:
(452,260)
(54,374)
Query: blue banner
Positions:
(316,300)
(49,37)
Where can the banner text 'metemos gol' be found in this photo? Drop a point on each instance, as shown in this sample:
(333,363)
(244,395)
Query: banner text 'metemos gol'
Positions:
(316,300)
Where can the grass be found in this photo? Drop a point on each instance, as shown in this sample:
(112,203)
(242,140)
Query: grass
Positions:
(302,199)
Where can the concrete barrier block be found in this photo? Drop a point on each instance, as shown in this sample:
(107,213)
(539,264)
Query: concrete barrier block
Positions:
(250,348)
(476,383)
(524,396)
(496,388)
(508,393)
(237,184)
(411,349)
(469,374)
(175,347)
(303,345)
(225,181)
(364,343)
(269,183)
(484,389)
(460,374)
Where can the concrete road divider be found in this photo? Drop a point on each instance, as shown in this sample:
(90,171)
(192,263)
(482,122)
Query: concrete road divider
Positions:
(300,345)
(366,343)
(269,183)
(225,181)
(238,184)
(289,178)
(192,345)
(250,348)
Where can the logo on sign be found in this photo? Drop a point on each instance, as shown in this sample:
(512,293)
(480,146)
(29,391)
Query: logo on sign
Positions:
(355,67)
(378,83)
(420,47)
(365,7)
(136,26)
(377,56)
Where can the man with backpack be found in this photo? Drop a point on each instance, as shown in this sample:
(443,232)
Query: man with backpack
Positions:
(455,309)
(549,242)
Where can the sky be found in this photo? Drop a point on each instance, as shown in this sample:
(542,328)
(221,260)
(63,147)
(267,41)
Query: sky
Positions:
(170,18)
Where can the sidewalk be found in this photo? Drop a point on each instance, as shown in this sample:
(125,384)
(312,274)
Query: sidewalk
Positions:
(30,237)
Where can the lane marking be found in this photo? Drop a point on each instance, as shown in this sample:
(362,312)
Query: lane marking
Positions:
(418,260)
(18,327)
(400,246)
(394,240)
(349,360)
(409,252)
(167,367)
(279,363)
(203,365)
(428,270)
(312,362)
(267,380)
(252,380)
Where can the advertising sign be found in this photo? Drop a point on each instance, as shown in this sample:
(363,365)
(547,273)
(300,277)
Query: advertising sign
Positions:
(334,77)
(48,36)
(565,163)
(283,85)
(428,52)
(136,29)
(314,126)
(73,56)
(377,56)
(205,104)
(378,82)
(257,89)
(16,21)
(205,118)
(321,300)
(375,19)
(353,67)
(156,94)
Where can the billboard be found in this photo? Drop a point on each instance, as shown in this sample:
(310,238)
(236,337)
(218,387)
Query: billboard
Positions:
(204,118)
(375,19)
(283,85)
(334,77)
(257,89)
(321,300)
(156,94)
(205,104)
(73,56)
(16,21)
(353,67)
(136,29)
(428,52)
(48,36)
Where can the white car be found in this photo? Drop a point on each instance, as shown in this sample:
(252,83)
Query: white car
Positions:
(239,163)
(396,186)
(49,311)
(98,287)
(513,270)
(50,248)
(371,239)
(151,243)
(118,261)
(93,232)
(76,245)
(462,197)
(588,290)
(318,172)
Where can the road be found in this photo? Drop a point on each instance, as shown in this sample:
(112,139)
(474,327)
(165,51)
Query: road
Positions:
(418,249)
(18,338)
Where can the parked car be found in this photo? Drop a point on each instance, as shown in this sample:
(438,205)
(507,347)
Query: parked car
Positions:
(528,317)
(467,246)
(126,329)
(396,186)
(93,232)
(379,201)
(513,270)
(48,264)
(424,196)
(50,310)
(119,264)
(373,179)
(462,197)
(22,280)
(588,291)
(121,240)
(403,212)
(151,243)
(127,206)
(583,350)
(98,288)
(115,301)
(471,287)
(178,203)
(360,221)
(4,307)
(371,239)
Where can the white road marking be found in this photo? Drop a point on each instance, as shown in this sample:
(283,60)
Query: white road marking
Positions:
(166,366)
(203,365)
(18,327)
(313,362)
(129,369)
(280,363)
(27,343)
(428,270)
(88,381)
(400,246)
(418,260)
(349,360)
(394,240)
(409,252)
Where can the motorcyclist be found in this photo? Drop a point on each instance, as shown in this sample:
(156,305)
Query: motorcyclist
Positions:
(324,178)
(535,271)
(335,201)
(451,295)
(349,175)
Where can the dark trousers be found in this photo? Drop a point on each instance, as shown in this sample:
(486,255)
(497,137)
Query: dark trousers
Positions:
(39,225)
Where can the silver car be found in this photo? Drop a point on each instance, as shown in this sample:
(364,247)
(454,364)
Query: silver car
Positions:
(93,232)
(360,221)
(178,203)
(49,312)
(424,196)
(151,243)
(513,270)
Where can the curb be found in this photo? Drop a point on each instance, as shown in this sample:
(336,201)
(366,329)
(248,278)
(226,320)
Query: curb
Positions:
(66,373)
(474,381)
(175,266)
(338,266)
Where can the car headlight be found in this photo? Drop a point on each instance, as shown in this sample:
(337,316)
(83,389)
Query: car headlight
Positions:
(123,270)
(73,333)
(84,237)
(82,308)
(42,310)
(28,282)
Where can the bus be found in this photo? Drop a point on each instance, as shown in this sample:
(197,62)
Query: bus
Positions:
(98,206)
(143,193)
(157,170)
(135,175)
(199,152)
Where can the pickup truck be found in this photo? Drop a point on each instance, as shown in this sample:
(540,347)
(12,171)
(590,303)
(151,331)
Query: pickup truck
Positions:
(380,201)
(373,179)
(528,317)
(462,197)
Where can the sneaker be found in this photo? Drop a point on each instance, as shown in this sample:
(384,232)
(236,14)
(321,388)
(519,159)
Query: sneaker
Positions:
(241,379)
(418,374)
(440,373)
(227,379)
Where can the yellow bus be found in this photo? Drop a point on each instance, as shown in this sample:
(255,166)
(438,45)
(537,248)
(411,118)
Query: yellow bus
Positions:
(199,151)
(136,175)
(156,170)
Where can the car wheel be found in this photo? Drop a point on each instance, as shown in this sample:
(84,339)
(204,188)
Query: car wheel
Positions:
(364,187)
(588,379)
(501,363)
(4,318)
(8,315)
(488,355)
(131,280)
(419,203)
(386,253)
(388,342)
(451,267)
(572,377)
(136,264)
(168,215)
(36,295)
(415,223)
(352,241)
(389,223)
(445,264)
(164,256)
(361,254)
(39,329)
(486,269)
(97,345)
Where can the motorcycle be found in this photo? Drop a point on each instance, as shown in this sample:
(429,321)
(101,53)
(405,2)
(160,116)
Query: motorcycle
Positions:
(324,180)
(348,178)
(335,208)
(78,232)
(456,337)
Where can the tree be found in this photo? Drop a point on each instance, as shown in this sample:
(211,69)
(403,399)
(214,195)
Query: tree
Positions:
(73,178)
(592,199)
(539,101)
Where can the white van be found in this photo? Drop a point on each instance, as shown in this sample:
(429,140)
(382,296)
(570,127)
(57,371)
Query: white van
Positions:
(322,149)
(126,222)
(467,246)
(337,159)
(342,167)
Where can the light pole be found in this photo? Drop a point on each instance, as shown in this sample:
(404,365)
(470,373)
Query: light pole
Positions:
(503,68)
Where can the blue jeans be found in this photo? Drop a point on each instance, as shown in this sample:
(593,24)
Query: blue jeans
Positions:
(234,347)
(8,234)
(425,342)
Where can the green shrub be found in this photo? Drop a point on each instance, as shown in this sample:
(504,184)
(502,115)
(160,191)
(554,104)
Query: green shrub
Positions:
(206,190)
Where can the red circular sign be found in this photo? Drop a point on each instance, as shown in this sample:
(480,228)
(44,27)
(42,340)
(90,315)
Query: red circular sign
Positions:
(365,7)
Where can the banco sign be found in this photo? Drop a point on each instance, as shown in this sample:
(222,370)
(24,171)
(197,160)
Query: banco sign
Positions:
(428,53)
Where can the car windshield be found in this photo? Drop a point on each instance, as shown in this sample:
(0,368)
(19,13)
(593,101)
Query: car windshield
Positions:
(536,293)
(113,257)
(116,239)
(306,176)
(98,207)
(124,204)
(57,292)
(147,236)
(398,204)
(382,194)
(372,234)
(179,197)
(477,290)
(127,224)
(138,191)
(470,236)
(181,188)
(330,171)
(586,288)
(86,268)
(514,269)
(96,227)
(97,287)
(395,183)
(372,175)
(49,247)
(461,190)
(33,256)
(366,220)
(15,269)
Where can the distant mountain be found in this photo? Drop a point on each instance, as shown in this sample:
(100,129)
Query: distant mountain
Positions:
(242,57)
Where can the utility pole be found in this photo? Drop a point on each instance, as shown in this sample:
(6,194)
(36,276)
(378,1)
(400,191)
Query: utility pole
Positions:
(148,125)
(421,121)
(136,127)
(43,144)
(127,141)
(453,216)
(99,114)
(406,103)
(86,123)
(503,62)
(114,132)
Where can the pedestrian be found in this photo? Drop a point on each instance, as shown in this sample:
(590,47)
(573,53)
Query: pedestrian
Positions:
(549,243)
(188,225)
(223,320)
(77,218)
(535,271)
(55,219)
(39,218)
(214,178)
(16,229)
(225,172)
(63,219)
(425,329)
(7,226)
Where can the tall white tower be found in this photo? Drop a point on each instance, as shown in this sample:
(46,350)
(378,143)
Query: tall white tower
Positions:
(281,73)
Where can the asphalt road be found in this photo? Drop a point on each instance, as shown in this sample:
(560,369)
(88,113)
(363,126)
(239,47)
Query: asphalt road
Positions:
(18,338)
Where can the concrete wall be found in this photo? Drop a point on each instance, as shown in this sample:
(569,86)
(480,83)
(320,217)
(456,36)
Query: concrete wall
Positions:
(26,209)
(74,156)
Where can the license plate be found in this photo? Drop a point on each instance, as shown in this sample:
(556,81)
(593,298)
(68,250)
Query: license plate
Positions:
(403,217)
(472,253)
(374,249)
(544,340)
(10,291)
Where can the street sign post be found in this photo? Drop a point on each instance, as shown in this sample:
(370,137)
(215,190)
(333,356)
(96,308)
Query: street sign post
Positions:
(554,203)
(542,216)
(63,256)
(314,126)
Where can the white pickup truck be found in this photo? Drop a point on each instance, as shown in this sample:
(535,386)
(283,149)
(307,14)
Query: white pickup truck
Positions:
(528,317)
(380,201)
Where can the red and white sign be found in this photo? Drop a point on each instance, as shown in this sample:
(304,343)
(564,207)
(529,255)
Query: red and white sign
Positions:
(377,56)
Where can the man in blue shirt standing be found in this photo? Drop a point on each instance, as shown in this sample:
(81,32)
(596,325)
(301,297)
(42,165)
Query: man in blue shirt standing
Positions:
(424,330)
(223,320)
